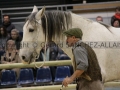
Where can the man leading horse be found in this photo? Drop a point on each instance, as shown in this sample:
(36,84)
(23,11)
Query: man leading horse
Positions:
(87,70)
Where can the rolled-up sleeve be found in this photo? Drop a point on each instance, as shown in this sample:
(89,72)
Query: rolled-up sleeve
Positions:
(81,58)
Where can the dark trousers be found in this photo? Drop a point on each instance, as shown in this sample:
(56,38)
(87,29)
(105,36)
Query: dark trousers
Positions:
(53,71)
(89,85)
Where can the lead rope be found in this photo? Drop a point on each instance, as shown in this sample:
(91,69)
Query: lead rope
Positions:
(45,47)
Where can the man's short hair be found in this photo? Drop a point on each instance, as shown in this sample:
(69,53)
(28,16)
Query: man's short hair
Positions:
(6,15)
(99,17)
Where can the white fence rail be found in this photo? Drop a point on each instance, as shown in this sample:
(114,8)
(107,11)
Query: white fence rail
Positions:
(57,87)
(47,63)
(51,87)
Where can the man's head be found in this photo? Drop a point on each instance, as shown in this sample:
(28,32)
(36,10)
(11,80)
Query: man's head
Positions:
(99,18)
(6,18)
(73,35)
(14,34)
(117,10)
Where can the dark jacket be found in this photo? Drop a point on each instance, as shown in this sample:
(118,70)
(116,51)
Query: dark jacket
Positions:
(113,18)
(52,54)
(9,26)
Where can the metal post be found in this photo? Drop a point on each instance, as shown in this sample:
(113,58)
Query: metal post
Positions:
(1,15)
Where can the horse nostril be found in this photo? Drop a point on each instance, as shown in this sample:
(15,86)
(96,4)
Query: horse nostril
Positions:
(23,57)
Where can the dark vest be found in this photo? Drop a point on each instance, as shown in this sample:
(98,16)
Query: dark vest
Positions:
(94,70)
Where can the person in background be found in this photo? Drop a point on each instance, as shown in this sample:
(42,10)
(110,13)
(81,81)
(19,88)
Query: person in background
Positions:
(116,15)
(99,19)
(7,23)
(16,37)
(51,55)
(11,55)
(116,23)
(86,67)
(3,37)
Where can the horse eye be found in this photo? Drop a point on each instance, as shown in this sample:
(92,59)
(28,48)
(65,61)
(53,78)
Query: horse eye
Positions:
(31,30)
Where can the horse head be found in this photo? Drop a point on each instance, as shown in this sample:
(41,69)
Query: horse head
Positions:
(32,35)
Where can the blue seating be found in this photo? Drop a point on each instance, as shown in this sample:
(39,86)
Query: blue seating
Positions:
(63,57)
(43,76)
(26,77)
(8,78)
(61,73)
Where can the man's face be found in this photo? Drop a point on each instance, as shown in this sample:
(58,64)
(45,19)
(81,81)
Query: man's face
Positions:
(70,41)
(6,19)
(14,35)
(99,19)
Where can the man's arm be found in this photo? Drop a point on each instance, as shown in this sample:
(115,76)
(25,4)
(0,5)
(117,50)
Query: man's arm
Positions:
(70,79)
(76,74)
(82,64)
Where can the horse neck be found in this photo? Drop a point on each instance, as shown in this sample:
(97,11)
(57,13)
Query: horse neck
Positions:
(81,22)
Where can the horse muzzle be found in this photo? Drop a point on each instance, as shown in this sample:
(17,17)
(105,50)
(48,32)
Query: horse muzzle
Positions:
(26,56)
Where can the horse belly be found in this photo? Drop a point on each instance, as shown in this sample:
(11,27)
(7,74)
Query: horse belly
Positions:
(109,60)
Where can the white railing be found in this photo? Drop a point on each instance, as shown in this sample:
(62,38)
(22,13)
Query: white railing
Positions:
(47,63)
(57,87)
(51,87)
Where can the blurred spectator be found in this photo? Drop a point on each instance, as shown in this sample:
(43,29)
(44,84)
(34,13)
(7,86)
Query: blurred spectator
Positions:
(16,37)
(52,53)
(63,57)
(7,23)
(60,52)
(116,23)
(3,37)
(99,19)
(11,55)
(116,16)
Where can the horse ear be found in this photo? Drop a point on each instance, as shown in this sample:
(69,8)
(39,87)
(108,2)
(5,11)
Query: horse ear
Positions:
(35,9)
(40,13)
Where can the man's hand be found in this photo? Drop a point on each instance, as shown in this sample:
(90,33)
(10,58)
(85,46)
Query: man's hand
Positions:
(8,62)
(67,81)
